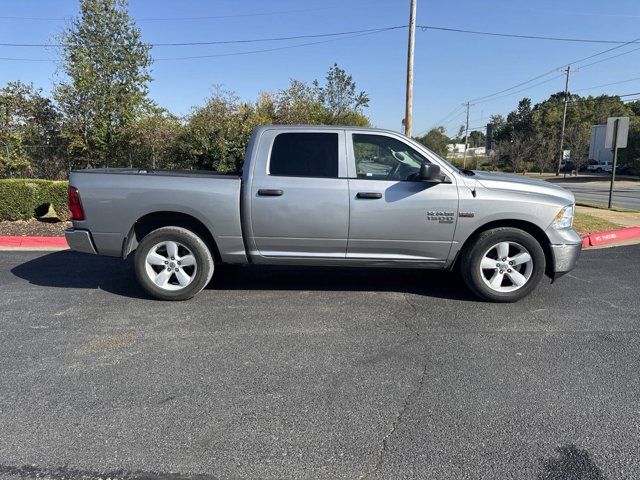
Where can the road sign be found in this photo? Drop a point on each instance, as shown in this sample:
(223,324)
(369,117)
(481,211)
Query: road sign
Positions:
(566,155)
(623,132)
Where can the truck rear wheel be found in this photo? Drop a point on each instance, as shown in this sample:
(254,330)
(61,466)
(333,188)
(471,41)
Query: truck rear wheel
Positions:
(503,264)
(173,263)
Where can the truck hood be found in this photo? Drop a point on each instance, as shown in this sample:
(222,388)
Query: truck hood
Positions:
(520,183)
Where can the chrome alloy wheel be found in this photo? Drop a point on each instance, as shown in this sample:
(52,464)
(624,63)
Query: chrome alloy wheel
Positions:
(506,267)
(170,265)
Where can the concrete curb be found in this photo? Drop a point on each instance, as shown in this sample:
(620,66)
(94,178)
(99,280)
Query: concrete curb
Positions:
(610,236)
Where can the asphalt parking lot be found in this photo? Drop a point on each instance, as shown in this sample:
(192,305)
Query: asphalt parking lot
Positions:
(317,373)
(595,190)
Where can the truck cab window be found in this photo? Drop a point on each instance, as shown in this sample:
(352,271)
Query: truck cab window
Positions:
(305,155)
(384,158)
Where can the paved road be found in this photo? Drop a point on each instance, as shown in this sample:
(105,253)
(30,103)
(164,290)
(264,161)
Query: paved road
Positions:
(625,194)
(304,373)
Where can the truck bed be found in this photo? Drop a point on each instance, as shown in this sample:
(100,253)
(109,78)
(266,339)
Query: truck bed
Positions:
(115,199)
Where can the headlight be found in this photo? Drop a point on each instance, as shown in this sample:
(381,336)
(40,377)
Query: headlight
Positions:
(564,218)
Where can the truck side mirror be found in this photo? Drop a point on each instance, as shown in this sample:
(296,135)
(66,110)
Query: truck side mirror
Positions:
(430,172)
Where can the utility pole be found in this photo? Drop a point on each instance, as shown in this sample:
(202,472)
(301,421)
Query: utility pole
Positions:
(466,138)
(564,119)
(412,42)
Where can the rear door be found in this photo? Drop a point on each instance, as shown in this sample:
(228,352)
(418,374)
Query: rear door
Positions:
(299,194)
(395,217)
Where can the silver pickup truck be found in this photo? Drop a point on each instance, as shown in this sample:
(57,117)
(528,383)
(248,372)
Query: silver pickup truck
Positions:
(310,195)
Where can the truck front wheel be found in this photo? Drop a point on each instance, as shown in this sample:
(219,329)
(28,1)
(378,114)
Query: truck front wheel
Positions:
(173,263)
(503,264)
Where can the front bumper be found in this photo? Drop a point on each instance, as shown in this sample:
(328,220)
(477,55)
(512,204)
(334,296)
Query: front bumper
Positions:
(565,245)
(564,258)
(79,240)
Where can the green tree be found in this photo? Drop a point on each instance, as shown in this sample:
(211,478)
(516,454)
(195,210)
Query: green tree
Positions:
(13,157)
(336,102)
(30,140)
(339,96)
(153,140)
(215,136)
(106,67)
(298,104)
(436,140)
(476,139)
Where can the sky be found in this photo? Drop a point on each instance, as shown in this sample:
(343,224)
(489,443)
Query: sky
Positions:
(450,68)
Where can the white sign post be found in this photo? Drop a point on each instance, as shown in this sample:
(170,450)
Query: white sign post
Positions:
(615,138)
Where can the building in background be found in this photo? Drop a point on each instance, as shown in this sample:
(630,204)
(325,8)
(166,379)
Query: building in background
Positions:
(455,149)
(597,150)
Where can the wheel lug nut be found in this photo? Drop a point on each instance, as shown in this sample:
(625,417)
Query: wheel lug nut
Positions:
(509,271)
(166,262)
(511,262)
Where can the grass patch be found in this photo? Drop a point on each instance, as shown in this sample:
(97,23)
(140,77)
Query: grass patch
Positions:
(604,207)
(585,223)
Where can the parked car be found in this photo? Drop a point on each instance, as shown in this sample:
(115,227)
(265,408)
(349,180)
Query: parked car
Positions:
(310,195)
(601,167)
(624,170)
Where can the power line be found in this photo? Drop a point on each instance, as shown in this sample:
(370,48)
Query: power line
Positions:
(562,66)
(522,90)
(440,123)
(423,27)
(231,54)
(609,58)
(274,49)
(607,84)
(158,19)
(17,59)
(278,39)
(514,35)
(604,98)
(228,42)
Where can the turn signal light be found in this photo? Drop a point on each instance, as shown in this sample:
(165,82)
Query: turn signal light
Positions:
(75,206)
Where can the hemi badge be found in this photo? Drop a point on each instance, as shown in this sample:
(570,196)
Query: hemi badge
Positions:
(466,214)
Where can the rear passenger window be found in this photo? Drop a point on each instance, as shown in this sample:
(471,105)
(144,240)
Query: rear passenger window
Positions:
(305,155)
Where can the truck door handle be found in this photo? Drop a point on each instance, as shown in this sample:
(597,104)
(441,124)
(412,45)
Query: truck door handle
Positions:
(369,195)
(268,192)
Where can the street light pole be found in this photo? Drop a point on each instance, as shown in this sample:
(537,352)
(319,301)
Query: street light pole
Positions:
(466,139)
(409,98)
(564,119)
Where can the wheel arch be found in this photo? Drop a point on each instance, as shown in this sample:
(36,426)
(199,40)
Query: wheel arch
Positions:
(152,221)
(531,228)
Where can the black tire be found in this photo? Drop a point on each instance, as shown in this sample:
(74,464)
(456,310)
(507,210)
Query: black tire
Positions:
(598,170)
(201,273)
(475,251)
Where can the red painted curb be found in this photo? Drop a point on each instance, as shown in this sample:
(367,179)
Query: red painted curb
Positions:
(588,239)
(610,236)
(33,242)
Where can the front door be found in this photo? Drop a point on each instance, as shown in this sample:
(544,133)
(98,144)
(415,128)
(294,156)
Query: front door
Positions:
(394,216)
(300,196)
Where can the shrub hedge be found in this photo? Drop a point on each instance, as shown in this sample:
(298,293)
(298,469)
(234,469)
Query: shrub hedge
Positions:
(25,198)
